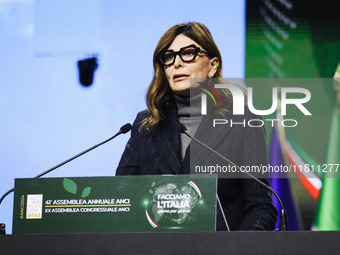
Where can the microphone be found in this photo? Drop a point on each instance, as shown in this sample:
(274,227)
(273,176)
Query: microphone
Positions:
(124,129)
(283,213)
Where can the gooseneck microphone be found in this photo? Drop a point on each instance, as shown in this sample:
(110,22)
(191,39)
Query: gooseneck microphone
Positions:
(124,129)
(283,214)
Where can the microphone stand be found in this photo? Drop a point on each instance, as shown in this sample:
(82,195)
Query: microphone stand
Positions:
(283,214)
(124,129)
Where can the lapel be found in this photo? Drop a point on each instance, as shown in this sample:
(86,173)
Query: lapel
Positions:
(168,139)
(209,135)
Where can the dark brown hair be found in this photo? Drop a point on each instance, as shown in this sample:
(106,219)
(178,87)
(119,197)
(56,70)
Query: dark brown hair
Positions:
(159,90)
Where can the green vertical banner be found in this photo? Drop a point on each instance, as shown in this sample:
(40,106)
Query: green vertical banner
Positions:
(115,204)
(328,211)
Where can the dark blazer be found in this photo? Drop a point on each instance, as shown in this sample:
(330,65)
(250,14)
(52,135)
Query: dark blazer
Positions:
(247,204)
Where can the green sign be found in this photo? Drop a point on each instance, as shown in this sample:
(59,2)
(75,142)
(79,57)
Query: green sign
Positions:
(115,204)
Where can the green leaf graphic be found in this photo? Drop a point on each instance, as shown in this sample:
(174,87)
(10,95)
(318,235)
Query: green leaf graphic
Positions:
(86,192)
(70,186)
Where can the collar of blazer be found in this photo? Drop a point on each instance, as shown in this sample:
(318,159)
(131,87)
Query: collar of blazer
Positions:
(168,138)
(209,135)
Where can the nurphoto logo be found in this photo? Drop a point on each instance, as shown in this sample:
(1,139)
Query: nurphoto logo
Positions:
(295,96)
(239,100)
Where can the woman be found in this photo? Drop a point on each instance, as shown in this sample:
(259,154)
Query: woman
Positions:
(184,52)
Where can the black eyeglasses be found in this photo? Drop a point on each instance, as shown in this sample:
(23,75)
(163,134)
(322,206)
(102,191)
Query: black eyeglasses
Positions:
(187,54)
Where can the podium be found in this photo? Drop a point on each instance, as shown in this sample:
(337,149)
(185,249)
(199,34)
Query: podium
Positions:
(38,231)
(173,243)
(149,203)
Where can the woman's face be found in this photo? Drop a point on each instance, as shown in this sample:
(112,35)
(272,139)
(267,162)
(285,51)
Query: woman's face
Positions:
(179,73)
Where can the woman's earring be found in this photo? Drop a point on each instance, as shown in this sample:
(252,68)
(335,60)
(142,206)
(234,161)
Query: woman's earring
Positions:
(209,80)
